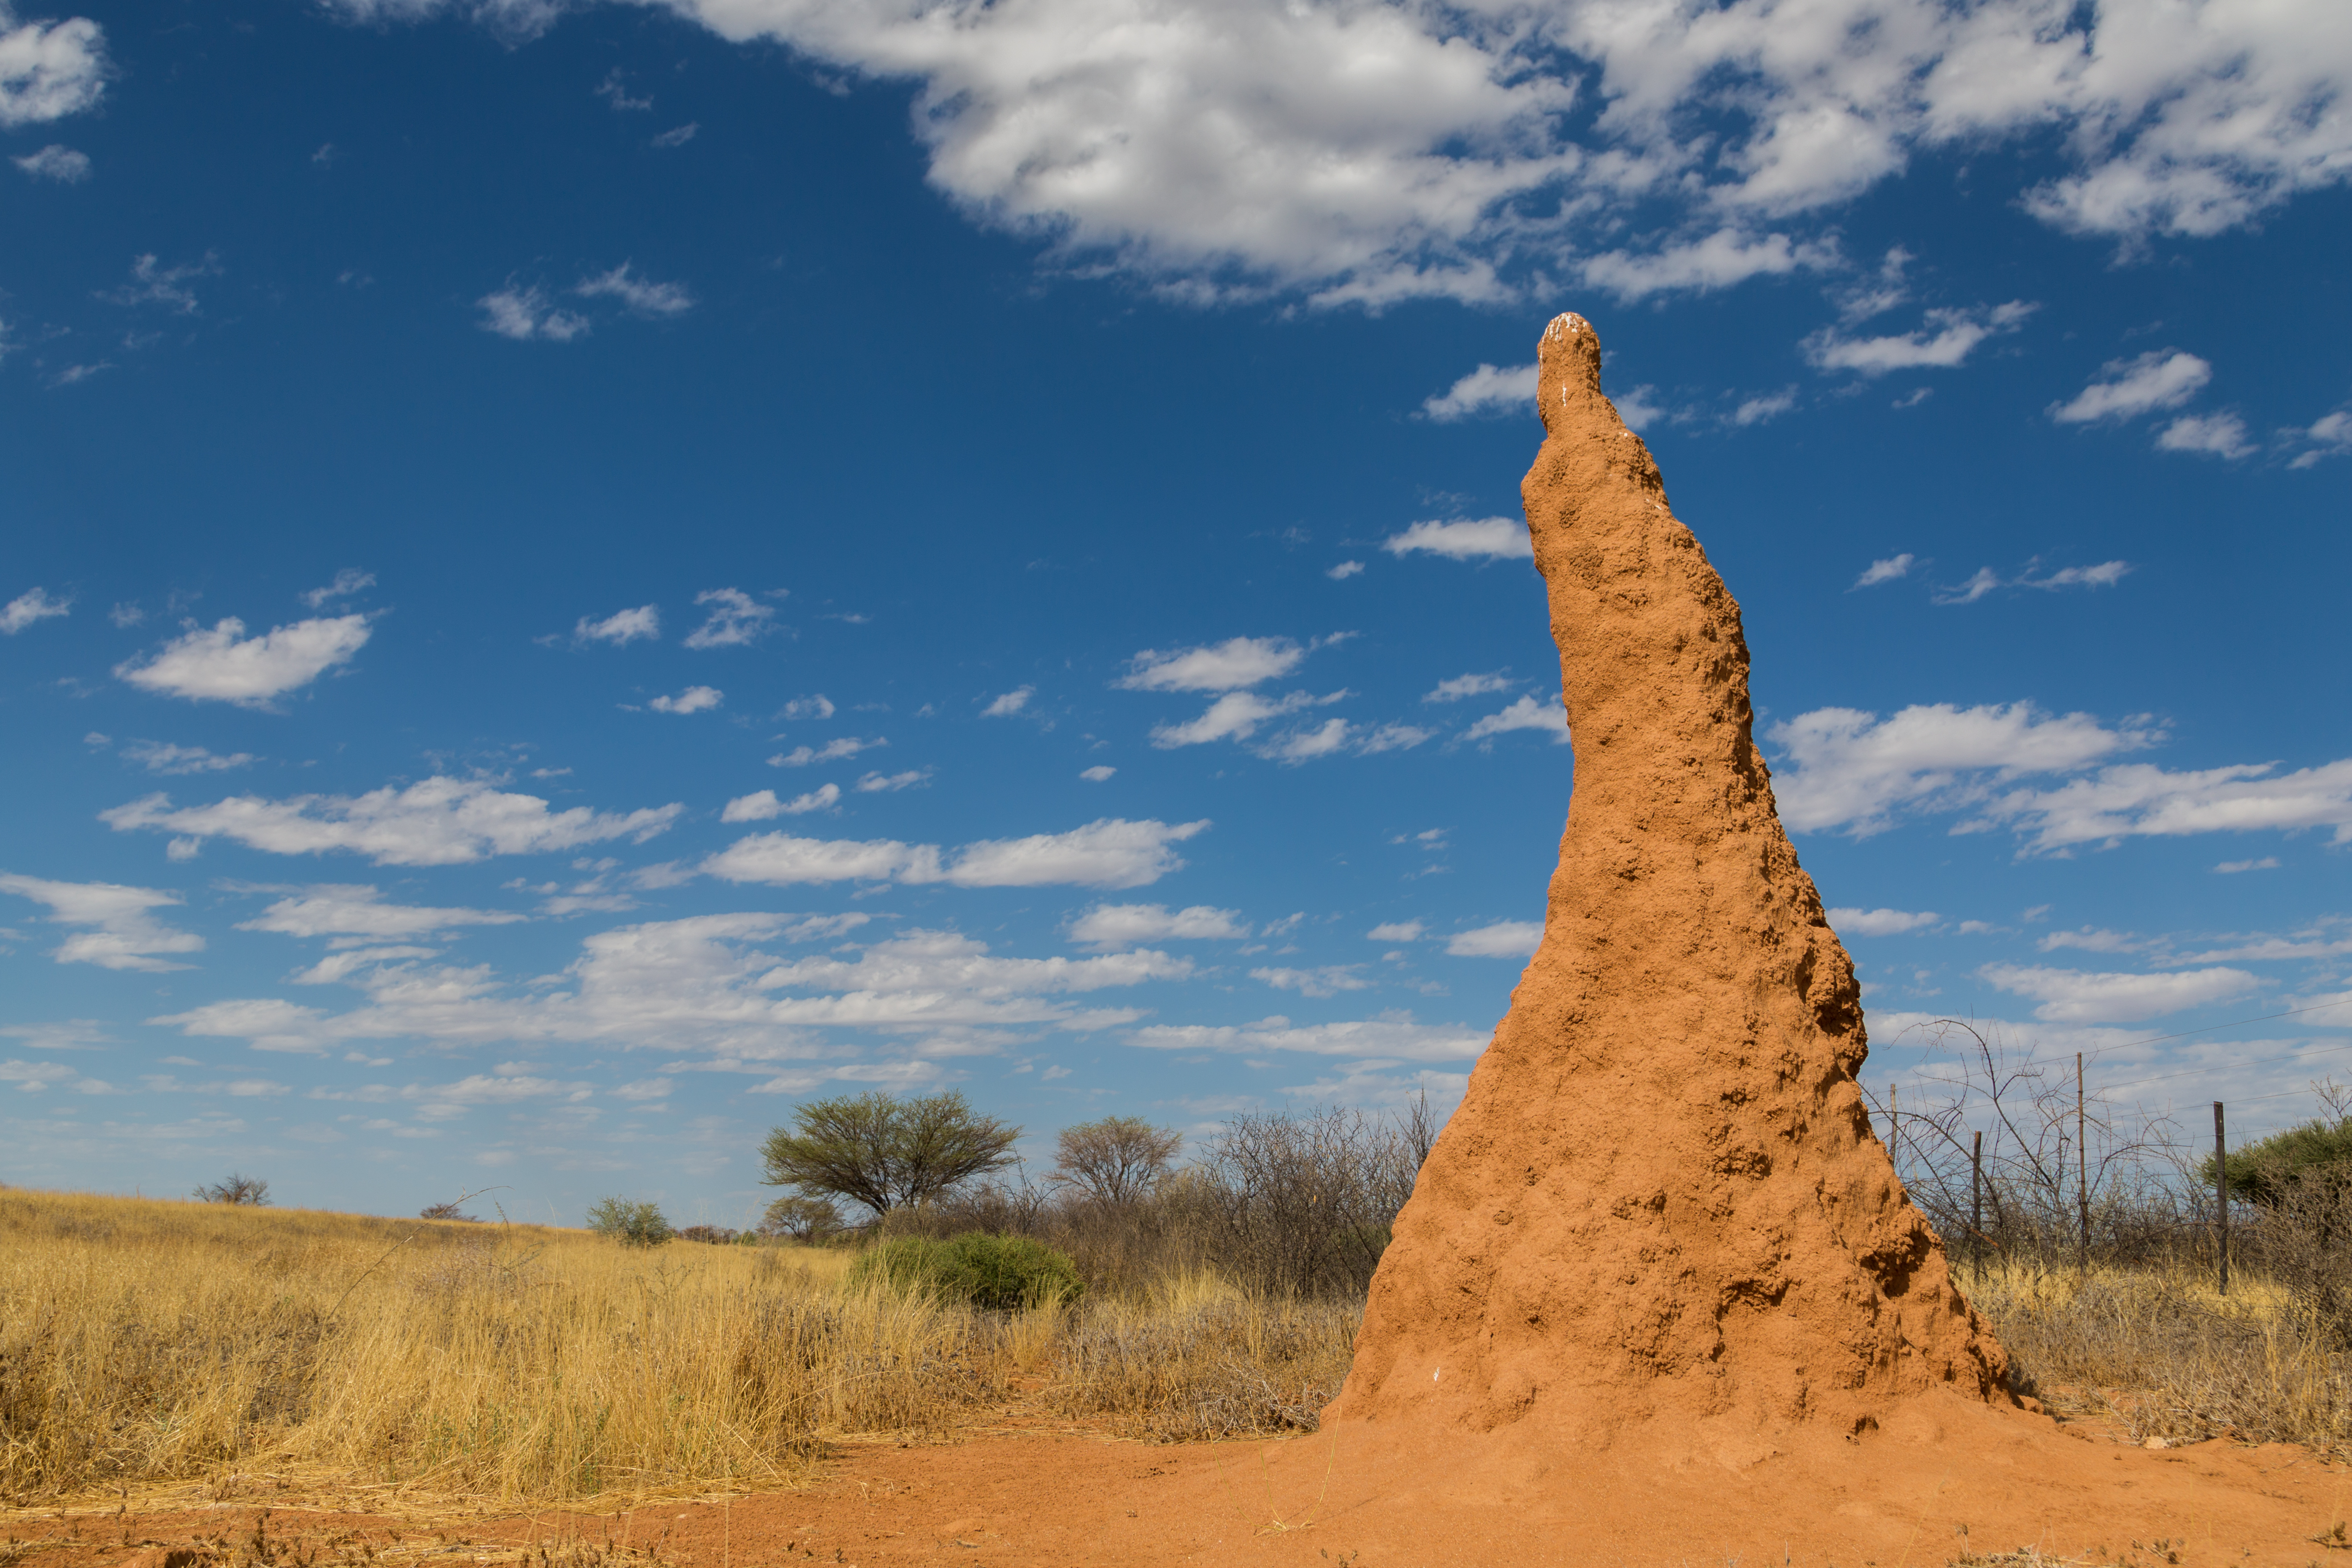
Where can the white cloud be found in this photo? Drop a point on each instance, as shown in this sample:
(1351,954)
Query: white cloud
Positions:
(1107,926)
(1526,713)
(2078,996)
(2215,435)
(2106,574)
(621,627)
(1985,581)
(1236,715)
(153,283)
(1390,738)
(526,313)
(1764,408)
(1227,666)
(678,135)
(1505,939)
(2161,378)
(1462,686)
(1108,853)
(2141,800)
(2090,938)
(693,700)
(224,664)
(638,296)
(1345,570)
(1011,702)
(358,910)
(161,757)
(348,581)
(32,606)
(614,90)
(1881,922)
(1325,740)
(1885,571)
(1372,153)
(55,161)
(1716,261)
(701,987)
(1327,981)
(2330,437)
(1485,538)
(1640,408)
(816,707)
(49,69)
(437,821)
(833,751)
(878,783)
(735,618)
(1100,773)
(1394,1038)
(1396,931)
(1854,770)
(1947,340)
(765,805)
(124,935)
(2231,868)
(1487,390)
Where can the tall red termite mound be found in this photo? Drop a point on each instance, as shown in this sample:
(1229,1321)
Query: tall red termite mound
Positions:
(1661,1203)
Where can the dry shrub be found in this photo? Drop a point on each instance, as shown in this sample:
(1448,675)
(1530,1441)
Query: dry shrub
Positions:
(1205,1362)
(2168,1356)
(144,1341)
(1293,1204)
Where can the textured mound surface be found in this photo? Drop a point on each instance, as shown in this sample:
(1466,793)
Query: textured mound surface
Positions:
(1662,1197)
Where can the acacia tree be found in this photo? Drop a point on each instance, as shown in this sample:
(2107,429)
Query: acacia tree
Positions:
(883,1151)
(801,1219)
(1117,1159)
(247,1190)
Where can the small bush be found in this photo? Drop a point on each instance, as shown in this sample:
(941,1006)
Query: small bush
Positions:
(998,1272)
(446,1211)
(631,1223)
(715,1235)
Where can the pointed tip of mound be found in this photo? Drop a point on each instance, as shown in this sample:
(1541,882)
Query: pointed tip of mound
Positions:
(1568,363)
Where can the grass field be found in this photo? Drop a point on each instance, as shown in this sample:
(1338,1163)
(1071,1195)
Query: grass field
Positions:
(148,1344)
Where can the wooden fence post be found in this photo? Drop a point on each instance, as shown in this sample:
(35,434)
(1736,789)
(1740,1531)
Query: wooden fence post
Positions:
(1976,1205)
(2222,1193)
(2082,1172)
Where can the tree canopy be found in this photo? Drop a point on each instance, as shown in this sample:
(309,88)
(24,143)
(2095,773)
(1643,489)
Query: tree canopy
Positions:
(2263,1171)
(1117,1159)
(883,1151)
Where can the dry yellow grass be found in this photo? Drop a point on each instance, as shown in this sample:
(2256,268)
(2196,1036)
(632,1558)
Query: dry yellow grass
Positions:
(1198,1359)
(145,1342)
(2161,1351)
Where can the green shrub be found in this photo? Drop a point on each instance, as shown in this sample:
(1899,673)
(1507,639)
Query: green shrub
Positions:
(1000,1272)
(634,1224)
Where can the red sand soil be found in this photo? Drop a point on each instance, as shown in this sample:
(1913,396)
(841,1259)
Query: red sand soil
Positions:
(1658,1297)
(1014,1502)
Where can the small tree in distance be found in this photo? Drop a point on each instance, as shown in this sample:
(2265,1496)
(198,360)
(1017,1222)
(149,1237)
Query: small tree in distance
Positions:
(886,1152)
(631,1223)
(1119,1159)
(250,1191)
(801,1219)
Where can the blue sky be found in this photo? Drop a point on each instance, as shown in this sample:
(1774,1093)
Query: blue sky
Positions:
(576,574)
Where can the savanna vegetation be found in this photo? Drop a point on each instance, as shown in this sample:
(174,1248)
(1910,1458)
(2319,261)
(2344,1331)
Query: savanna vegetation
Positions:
(912,1280)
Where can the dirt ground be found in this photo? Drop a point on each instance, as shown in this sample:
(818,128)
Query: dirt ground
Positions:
(1961,1482)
